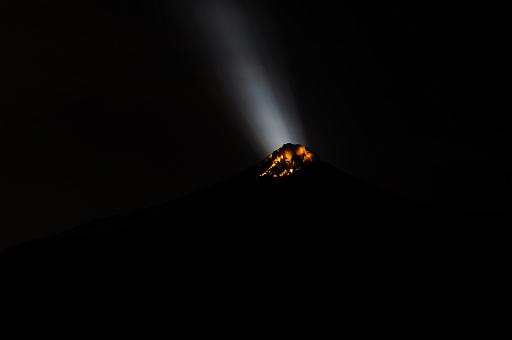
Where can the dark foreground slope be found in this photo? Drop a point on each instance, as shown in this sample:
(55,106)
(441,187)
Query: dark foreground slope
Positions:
(317,209)
(308,242)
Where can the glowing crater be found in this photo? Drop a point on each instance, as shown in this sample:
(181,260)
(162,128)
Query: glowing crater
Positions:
(287,160)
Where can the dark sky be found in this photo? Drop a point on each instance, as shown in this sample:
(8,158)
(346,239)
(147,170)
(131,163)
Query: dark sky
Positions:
(112,106)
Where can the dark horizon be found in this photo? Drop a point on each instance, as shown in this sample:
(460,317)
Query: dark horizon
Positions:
(113,106)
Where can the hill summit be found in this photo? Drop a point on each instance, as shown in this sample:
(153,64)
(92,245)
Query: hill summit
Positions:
(287,160)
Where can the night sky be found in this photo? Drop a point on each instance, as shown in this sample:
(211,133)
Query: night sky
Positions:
(112,106)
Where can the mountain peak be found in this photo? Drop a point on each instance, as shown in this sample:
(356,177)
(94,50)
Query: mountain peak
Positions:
(287,160)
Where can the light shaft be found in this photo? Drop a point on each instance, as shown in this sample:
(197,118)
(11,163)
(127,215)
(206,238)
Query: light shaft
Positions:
(262,99)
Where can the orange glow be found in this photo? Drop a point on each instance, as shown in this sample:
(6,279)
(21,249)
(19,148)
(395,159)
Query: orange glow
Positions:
(287,160)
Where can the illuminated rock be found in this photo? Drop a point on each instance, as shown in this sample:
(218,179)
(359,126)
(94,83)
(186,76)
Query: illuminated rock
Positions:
(287,160)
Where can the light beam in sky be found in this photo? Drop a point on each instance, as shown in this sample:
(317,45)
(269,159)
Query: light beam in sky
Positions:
(261,97)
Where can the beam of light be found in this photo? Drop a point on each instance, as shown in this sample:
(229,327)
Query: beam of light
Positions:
(260,95)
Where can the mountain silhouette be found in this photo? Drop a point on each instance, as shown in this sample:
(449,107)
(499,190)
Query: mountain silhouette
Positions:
(318,203)
(311,238)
